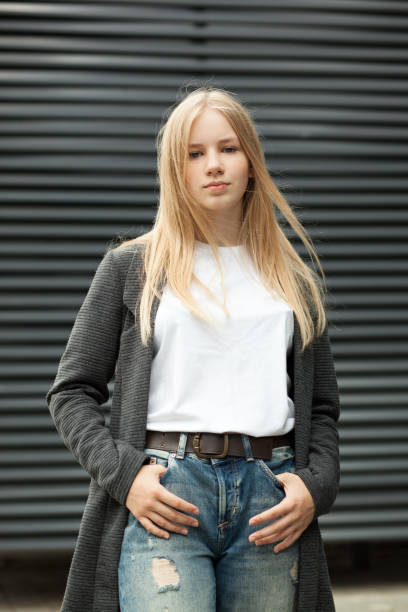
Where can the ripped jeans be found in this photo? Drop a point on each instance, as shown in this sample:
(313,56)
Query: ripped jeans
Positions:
(214,568)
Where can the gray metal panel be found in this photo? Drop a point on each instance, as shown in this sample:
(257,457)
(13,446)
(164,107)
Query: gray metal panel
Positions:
(82,90)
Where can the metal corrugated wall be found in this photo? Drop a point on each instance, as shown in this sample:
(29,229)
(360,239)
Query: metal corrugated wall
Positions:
(83,89)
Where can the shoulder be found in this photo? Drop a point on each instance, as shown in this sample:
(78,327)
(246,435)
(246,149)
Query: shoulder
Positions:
(116,263)
(126,253)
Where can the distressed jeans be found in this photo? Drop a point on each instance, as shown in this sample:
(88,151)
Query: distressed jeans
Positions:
(214,568)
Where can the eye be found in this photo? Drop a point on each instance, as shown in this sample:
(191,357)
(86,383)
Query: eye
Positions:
(192,154)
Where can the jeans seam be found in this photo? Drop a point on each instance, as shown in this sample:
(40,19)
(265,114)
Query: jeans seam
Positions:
(271,475)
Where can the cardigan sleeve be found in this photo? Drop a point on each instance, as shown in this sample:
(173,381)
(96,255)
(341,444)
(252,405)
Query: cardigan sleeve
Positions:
(81,386)
(322,475)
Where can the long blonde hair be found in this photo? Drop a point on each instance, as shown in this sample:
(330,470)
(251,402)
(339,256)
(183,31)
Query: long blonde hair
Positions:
(180,220)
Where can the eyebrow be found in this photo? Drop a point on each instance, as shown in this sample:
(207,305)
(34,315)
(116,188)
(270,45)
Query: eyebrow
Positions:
(198,144)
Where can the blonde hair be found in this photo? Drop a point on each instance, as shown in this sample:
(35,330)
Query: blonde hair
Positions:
(180,220)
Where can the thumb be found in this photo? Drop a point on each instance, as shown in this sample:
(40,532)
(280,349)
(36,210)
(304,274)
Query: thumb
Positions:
(156,469)
(282,478)
(161,471)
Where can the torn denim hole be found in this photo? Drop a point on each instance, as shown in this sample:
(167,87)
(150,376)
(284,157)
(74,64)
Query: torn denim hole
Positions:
(165,574)
(294,572)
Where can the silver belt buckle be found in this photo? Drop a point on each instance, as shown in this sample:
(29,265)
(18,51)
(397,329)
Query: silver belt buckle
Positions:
(196,447)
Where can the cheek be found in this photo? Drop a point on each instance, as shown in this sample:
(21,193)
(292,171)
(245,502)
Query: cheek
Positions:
(190,181)
(243,174)
(242,168)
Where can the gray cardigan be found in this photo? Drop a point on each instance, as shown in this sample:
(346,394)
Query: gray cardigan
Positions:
(103,342)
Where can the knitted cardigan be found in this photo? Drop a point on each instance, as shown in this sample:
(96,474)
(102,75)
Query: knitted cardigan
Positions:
(105,341)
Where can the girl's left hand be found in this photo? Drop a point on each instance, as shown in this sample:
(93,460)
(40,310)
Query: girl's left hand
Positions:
(296,512)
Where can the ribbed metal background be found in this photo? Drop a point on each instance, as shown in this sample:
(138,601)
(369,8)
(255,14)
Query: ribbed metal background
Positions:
(83,89)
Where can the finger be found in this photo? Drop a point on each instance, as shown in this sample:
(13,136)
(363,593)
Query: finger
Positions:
(282,543)
(277,525)
(271,513)
(163,522)
(176,502)
(272,535)
(286,542)
(152,528)
(173,515)
(286,477)
(260,534)
(277,528)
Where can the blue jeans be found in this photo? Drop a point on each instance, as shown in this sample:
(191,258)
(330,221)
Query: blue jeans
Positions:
(214,567)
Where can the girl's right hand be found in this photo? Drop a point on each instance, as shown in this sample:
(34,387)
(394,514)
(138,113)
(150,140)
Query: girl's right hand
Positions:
(152,504)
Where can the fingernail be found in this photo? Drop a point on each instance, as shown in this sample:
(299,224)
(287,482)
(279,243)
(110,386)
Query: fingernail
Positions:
(184,531)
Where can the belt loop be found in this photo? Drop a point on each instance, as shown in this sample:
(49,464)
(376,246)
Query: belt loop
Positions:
(181,448)
(247,447)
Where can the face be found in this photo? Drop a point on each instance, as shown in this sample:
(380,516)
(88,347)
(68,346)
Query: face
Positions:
(215,154)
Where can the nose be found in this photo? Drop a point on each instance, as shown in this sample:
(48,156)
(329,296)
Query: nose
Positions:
(214,163)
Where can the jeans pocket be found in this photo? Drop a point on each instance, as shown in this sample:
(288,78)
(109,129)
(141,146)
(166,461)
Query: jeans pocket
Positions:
(160,457)
(263,464)
(282,460)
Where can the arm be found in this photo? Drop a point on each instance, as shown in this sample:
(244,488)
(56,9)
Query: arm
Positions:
(81,386)
(322,476)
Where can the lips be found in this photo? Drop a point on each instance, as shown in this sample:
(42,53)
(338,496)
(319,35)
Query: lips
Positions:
(220,188)
(216,184)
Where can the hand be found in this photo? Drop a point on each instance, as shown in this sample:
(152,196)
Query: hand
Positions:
(294,513)
(149,501)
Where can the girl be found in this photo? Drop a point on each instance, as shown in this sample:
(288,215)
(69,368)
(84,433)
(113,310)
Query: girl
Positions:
(222,447)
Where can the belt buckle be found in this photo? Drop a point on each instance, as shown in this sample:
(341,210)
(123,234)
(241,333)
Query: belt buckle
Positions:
(196,447)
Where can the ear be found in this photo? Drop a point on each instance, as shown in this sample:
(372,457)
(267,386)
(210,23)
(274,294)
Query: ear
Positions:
(250,172)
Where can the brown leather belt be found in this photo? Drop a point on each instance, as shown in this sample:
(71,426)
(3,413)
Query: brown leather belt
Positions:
(207,444)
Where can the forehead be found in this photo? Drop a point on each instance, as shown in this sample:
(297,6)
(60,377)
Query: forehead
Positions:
(211,127)
(231,138)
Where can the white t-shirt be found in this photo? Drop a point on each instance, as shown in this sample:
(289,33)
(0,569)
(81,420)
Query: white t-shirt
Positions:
(230,379)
